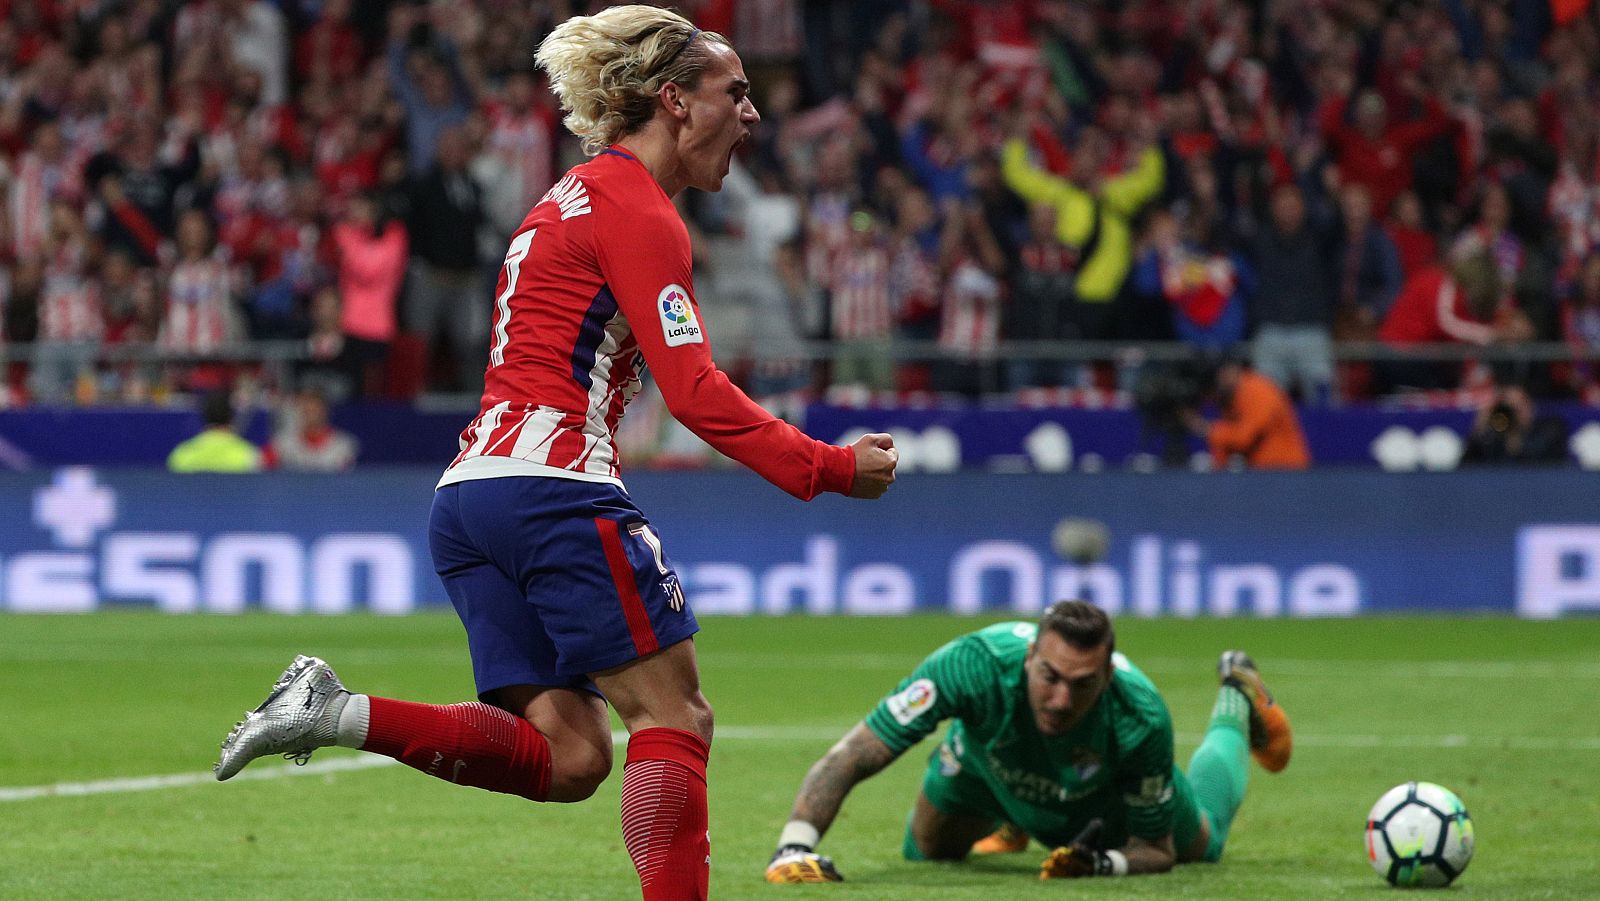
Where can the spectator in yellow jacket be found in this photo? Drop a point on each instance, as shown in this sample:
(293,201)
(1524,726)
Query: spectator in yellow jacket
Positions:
(1093,212)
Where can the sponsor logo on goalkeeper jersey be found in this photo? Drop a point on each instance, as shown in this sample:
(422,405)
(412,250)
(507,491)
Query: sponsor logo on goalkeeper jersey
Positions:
(913,701)
(1033,787)
(1085,763)
(679,323)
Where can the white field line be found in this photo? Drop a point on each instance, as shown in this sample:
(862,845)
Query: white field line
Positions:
(1275,667)
(183,780)
(763,733)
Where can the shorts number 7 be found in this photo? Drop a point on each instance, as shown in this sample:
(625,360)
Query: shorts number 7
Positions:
(648,536)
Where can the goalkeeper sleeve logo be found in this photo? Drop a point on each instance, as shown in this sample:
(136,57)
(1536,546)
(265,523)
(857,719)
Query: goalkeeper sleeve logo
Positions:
(1153,791)
(912,701)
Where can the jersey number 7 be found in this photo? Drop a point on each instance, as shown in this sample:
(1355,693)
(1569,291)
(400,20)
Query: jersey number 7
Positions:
(502,304)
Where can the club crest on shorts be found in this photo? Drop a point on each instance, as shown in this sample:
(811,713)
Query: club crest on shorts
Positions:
(674,592)
(912,701)
(679,323)
(669,579)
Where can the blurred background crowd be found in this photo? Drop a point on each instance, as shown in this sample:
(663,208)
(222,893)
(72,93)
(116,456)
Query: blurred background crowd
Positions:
(943,198)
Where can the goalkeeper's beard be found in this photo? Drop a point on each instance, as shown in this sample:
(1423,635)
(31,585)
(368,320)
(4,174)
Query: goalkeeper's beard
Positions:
(1051,722)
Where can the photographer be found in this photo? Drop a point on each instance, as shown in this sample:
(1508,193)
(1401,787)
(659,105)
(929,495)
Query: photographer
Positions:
(1258,423)
(1509,429)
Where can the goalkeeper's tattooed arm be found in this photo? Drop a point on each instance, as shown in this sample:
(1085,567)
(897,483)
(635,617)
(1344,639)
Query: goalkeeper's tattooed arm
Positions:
(856,757)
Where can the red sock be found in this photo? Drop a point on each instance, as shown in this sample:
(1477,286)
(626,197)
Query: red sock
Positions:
(468,744)
(664,813)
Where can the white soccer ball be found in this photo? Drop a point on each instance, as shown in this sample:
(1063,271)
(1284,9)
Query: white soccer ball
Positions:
(1082,541)
(1419,834)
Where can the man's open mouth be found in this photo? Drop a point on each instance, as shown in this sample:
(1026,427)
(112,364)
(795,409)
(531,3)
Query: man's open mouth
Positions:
(736,145)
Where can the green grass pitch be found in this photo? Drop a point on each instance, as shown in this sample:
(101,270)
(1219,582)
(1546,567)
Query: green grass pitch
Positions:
(1503,712)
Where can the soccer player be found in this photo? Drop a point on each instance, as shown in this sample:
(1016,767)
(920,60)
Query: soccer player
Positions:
(1057,736)
(568,599)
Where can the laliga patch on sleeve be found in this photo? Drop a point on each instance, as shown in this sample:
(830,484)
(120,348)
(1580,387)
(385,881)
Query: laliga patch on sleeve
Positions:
(1153,791)
(678,320)
(912,701)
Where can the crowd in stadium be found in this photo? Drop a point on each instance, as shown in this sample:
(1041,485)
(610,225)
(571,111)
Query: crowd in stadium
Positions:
(930,178)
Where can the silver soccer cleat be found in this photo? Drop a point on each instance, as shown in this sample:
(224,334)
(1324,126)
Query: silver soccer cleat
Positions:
(300,715)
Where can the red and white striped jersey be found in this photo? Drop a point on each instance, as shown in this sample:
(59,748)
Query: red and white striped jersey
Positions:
(597,284)
(969,320)
(200,313)
(37,183)
(861,306)
(827,233)
(913,280)
(526,141)
(69,305)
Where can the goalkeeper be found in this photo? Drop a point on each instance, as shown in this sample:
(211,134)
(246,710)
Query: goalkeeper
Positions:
(1055,737)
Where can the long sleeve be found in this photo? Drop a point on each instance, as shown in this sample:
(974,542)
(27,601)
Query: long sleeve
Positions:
(645,258)
(1136,187)
(915,153)
(1452,323)
(405,90)
(1390,276)
(1144,775)
(960,680)
(1330,119)
(1074,208)
(460,87)
(1435,121)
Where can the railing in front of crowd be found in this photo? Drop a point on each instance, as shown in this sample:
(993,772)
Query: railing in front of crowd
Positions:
(1177,351)
(108,372)
(250,353)
(282,364)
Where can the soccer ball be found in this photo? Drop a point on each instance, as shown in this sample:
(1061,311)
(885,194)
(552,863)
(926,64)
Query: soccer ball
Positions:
(1083,541)
(1419,834)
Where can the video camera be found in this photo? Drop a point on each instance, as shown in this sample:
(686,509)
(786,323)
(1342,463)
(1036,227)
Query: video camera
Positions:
(1162,396)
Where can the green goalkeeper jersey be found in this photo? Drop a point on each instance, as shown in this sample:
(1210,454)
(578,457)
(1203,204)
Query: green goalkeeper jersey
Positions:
(1117,764)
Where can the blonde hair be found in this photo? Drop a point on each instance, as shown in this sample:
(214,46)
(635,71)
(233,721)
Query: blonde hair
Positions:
(606,69)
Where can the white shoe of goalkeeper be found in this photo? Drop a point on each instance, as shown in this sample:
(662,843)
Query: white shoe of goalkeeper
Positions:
(300,715)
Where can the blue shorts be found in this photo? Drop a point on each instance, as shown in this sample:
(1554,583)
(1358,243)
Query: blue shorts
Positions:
(553,579)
